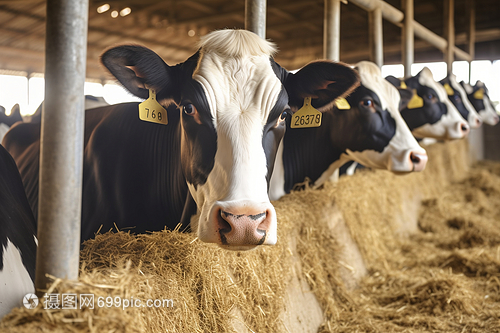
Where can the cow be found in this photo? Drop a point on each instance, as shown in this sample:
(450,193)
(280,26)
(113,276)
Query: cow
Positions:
(215,156)
(369,130)
(428,112)
(480,100)
(91,102)
(17,237)
(458,97)
(7,121)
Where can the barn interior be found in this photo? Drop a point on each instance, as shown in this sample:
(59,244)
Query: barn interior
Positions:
(373,253)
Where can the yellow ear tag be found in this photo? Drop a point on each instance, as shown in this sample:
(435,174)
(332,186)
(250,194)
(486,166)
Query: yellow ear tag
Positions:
(342,104)
(416,101)
(479,94)
(403,85)
(307,116)
(448,89)
(150,110)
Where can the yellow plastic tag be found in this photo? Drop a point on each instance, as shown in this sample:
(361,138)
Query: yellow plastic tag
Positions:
(307,116)
(151,110)
(416,101)
(448,89)
(479,94)
(403,85)
(342,104)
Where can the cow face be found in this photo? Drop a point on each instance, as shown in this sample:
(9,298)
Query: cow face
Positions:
(375,134)
(430,113)
(480,100)
(232,96)
(458,97)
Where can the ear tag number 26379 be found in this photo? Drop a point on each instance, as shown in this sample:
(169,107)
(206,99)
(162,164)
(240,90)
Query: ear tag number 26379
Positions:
(307,116)
(151,110)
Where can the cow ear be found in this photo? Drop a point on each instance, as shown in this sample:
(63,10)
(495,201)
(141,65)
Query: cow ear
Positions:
(406,96)
(394,81)
(324,81)
(139,69)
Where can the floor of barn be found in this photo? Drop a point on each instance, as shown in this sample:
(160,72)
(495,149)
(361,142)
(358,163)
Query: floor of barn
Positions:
(374,252)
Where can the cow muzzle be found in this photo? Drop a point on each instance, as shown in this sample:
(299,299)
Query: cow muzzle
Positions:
(243,225)
(418,160)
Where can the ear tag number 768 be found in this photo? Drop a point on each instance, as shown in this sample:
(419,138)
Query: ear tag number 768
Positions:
(307,116)
(151,110)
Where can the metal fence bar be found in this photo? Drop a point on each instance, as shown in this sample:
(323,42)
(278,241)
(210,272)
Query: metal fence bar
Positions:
(449,14)
(408,37)
(376,36)
(395,16)
(255,16)
(331,33)
(61,152)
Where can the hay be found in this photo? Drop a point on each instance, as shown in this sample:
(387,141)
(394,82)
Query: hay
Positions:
(430,243)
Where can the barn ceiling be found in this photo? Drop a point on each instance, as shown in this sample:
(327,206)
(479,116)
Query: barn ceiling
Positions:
(172,28)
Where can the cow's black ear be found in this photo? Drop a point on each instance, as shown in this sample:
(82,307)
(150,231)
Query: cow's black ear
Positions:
(394,81)
(406,96)
(139,69)
(324,81)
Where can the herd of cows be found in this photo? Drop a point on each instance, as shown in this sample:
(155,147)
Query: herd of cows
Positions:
(230,147)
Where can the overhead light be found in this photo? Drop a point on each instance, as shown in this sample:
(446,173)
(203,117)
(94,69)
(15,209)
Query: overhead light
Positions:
(125,11)
(191,33)
(103,8)
(114,14)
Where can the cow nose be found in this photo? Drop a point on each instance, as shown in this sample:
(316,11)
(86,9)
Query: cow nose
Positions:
(419,160)
(478,122)
(242,229)
(463,128)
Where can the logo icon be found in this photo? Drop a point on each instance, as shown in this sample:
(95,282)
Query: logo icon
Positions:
(30,301)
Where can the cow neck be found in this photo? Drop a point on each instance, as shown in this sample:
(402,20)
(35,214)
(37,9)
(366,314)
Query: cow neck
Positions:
(308,153)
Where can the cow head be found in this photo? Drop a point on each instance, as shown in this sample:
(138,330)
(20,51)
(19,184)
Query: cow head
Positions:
(430,113)
(458,97)
(232,97)
(374,133)
(480,100)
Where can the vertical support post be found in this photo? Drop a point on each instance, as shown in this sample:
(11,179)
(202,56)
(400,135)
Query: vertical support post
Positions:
(471,33)
(376,36)
(255,16)
(449,12)
(61,152)
(331,30)
(408,37)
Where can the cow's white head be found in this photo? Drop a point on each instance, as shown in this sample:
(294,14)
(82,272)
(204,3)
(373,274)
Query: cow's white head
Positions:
(384,140)
(480,100)
(430,113)
(232,97)
(458,97)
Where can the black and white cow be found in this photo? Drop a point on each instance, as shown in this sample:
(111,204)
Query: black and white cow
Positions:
(458,97)
(7,121)
(429,112)
(480,100)
(216,154)
(91,102)
(369,131)
(17,237)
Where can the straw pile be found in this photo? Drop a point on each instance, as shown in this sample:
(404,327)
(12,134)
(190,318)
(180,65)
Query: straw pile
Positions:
(429,244)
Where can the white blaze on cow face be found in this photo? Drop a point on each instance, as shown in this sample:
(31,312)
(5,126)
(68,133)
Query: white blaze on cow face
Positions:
(473,120)
(235,72)
(451,125)
(403,153)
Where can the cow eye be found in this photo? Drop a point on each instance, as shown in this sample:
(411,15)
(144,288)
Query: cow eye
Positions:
(430,96)
(284,114)
(189,109)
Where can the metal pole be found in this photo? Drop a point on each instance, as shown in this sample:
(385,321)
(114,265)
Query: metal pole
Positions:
(471,8)
(450,33)
(331,30)
(376,36)
(255,16)
(407,37)
(61,152)
(395,16)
